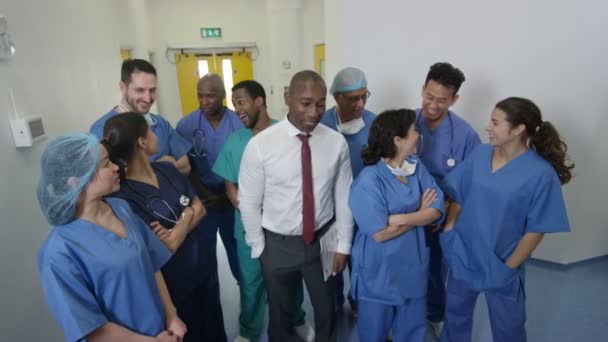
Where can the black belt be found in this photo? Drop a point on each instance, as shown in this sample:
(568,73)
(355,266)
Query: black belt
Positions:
(318,233)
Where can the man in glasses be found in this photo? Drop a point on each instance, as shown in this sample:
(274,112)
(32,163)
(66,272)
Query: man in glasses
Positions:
(138,87)
(445,141)
(350,118)
(208,128)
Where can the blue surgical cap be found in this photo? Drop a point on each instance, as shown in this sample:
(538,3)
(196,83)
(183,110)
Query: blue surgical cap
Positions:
(75,157)
(348,79)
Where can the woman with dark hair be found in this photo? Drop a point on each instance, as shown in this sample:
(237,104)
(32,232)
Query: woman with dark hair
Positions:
(506,195)
(165,200)
(391,200)
(100,265)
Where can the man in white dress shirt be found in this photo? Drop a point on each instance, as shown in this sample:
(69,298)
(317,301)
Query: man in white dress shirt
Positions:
(294,182)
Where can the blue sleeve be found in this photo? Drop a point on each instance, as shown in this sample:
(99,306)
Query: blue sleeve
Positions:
(158,252)
(224,164)
(69,297)
(180,128)
(471,141)
(368,204)
(428,182)
(547,213)
(178,146)
(97,129)
(458,181)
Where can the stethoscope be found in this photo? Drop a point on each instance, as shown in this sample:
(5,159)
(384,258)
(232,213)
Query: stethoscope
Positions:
(149,199)
(198,149)
(451,162)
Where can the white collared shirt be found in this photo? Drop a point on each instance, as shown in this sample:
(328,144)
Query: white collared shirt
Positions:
(270,184)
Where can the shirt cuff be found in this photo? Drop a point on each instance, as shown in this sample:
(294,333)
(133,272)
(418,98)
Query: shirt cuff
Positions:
(343,247)
(257,247)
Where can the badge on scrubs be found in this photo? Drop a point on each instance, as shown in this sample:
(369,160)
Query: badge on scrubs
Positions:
(451,162)
(184,200)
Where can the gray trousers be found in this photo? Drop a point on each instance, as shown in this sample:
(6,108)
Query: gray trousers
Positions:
(286,260)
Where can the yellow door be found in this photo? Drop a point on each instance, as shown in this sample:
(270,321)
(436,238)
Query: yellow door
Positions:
(231,67)
(320,59)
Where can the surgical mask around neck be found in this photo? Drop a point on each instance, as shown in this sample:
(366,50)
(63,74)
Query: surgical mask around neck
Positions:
(407,168)
(150,119)
(351,127)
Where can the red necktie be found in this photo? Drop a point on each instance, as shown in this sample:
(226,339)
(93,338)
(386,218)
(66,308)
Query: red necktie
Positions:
(308,201)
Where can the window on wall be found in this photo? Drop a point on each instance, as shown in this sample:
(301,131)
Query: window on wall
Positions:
(228,81)
(203,67)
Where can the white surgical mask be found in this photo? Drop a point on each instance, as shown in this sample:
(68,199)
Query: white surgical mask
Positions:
(150,119)
(408,168)
(351,127)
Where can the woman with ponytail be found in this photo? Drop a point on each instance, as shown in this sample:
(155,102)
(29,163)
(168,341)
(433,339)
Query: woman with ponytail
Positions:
(391,200)
(506,196)
(166,201)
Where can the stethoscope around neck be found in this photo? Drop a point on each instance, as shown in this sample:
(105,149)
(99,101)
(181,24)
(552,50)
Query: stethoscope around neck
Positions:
(198,136)
(151,199)
(451,161)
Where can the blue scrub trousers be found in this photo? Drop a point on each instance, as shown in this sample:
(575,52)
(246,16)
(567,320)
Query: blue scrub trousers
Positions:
(436,284)
(223,220)
(408,321)
(507,316)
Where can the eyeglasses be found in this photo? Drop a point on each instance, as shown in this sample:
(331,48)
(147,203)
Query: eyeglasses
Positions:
(353,99)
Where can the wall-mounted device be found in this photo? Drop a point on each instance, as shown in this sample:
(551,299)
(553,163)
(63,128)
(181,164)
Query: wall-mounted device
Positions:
(27,130)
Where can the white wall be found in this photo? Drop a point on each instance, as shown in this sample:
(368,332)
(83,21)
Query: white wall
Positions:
(552,52)
(67,69)
(179,22)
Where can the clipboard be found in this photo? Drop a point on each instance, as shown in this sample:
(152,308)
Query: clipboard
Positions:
(329,245)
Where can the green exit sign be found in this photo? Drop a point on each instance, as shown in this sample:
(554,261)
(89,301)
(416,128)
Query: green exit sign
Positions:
(211,32)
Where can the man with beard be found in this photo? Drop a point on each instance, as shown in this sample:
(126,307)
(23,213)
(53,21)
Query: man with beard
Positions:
(249,99)
(138,87)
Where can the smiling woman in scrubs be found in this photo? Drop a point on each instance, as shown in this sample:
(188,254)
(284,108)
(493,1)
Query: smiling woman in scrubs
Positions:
(392,199)
(100,264)
(507,195)
(165,200)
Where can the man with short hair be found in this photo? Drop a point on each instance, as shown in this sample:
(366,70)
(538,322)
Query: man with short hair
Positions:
(208,128)
(249,99)
(138,87)
(445,141)
(349,117)
(294,183)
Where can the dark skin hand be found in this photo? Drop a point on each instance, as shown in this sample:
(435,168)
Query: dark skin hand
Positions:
(209,198)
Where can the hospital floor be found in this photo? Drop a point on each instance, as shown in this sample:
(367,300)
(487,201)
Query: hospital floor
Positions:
(564,304)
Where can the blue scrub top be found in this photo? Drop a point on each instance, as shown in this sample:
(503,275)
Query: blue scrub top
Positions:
(169,142)
(355,141)
(498,209)
(393,271)
(434,147)
(91,276)
(184,271)
(214,141)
